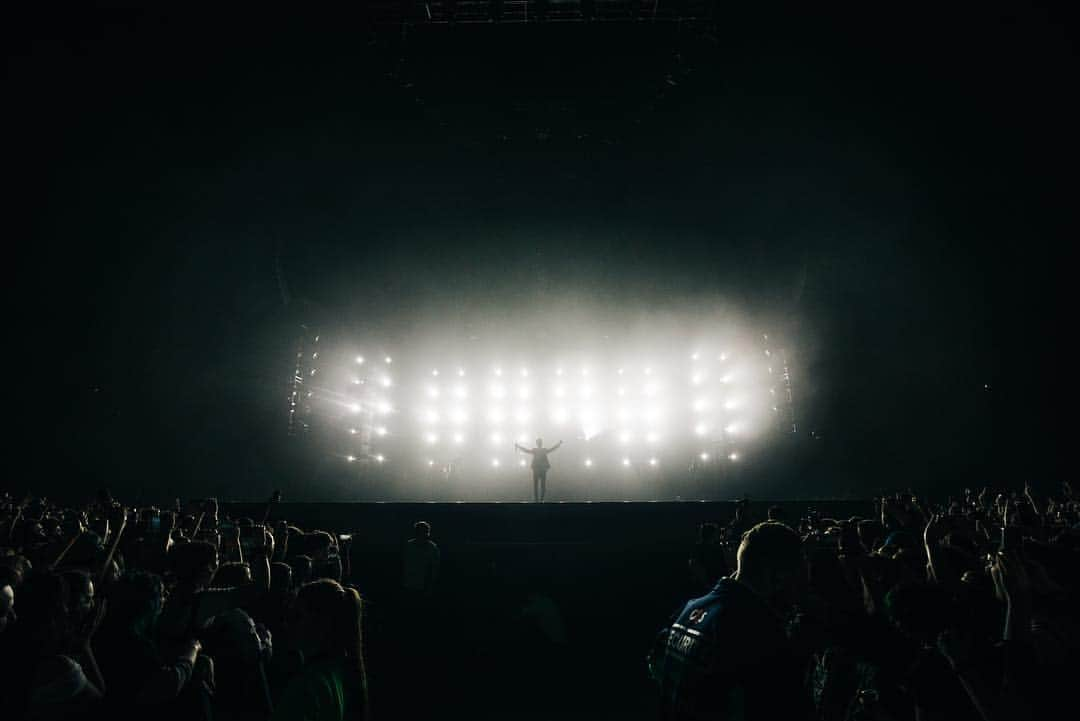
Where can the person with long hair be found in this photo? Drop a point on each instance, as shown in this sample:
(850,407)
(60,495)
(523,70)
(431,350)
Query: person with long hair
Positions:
(326,629)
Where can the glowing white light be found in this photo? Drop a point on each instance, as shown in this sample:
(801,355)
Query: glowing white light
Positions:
(459,416)
(431,438)
(496,439)
(653,461)
(621,392)
(383,407)
(704,456)
(726,378)
(386,382)
(524,372)
(313,371)
(461,372)
(435,372)
(431,417)
(356,381)
(585,390)
(624,437)
(495,415)
(497,390)
(723,356)
(648,371)
(354,407)
(701,429)
(522,463)
(523,438)
(584,370)
(733,456)
(697,378)
(652,437)
(622,415)
(380,458)
(523,392)
(380,431)
(498,371)
(700,404)
(433,392)
(352,431)
(559,416)
(560,391)
(459,439)
(388,360)
(431,463)
(558,371)
(694,356)
(626,461)
(730,405)
(730,428)
(350,459)
(360,359)
(521,415)
(460,391)
(588,463)
(495,462)
(650,389)
(621,371)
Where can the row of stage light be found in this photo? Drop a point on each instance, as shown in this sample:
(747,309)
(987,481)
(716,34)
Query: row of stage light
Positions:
(632,407)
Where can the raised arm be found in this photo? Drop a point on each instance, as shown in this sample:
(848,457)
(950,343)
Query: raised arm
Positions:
(523,449)
(554,447)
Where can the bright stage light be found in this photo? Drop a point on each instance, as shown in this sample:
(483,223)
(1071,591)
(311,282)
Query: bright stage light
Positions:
(352,431)
(498,371)
(431,438)
(650,389)
(380,458)
(588,463)
(350,459)
(733,456)
(431,417)
(704,456)
(384,407)
(648,371)
(653,461)
(559,416)
(388,360)
(730,405)
(701,429)
(652,437)
(697,378)
(431,463)
(521,415)
(496,439)
(624,438)
(522,463)
(356,381)
(461,372)
(435,372)
(524,372)
(622,415)
(558,371)
(723,356)
(433,392)
(495,462)
(584,370)
(460,391)
(386,382)
(730,428)
(459,416)
(560,391)
(700,404)
(585,390)
(497,390)
(360,359)
(495,415)
(694,356)
(726,378)
(523,438)
(354,407)
(626,461)
(620,371)
(621,392)
(380,431)
(523,392)
(458,439)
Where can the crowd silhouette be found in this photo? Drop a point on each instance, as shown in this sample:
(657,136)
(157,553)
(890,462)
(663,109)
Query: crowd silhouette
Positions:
(964,608)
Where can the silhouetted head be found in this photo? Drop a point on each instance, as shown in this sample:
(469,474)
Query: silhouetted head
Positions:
(770,558)
(422,529)
(326,622)
(539,442)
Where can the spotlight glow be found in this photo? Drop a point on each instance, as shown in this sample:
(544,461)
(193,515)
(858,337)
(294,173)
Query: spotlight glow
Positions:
(354,407)
(380,458)
(388,360)
(626,461)
(350,459)
(381,431)
(496,439)
(459,438)
(704,456)
(352,431)
(588,463)
(522,463)
(495,462)
(701,429)
(360,360)
(435,372)
(653,461)
(383,407)
(386,382)
(733,456)
(431,438)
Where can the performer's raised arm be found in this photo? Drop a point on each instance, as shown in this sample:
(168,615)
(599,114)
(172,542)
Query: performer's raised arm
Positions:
(523,449)
(554,447)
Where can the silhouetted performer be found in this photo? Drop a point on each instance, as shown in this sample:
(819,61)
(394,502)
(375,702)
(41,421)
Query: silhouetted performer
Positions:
(540,466)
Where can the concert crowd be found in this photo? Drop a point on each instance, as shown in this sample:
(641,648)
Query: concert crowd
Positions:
(955,609)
